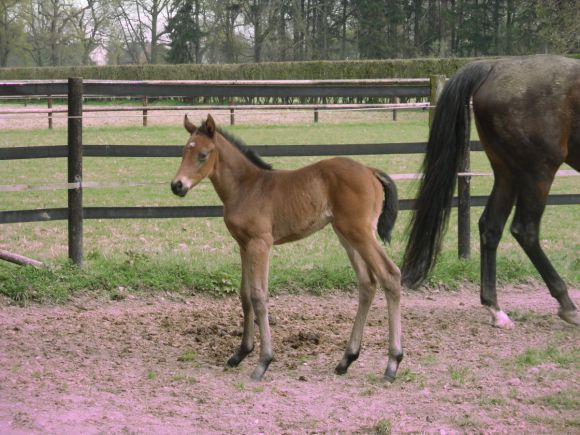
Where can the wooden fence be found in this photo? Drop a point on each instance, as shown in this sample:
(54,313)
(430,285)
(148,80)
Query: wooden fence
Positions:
(75,150)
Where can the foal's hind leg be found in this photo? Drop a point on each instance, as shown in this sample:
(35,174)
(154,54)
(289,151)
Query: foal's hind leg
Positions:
(367,287)
(526,228)
(389,277)
(491,225)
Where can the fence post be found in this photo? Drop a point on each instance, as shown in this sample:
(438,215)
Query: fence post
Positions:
(436,82)
(397,100)
(464,200)
(75,170)
(145,104)
(49,103)
(232,113)
(316,110)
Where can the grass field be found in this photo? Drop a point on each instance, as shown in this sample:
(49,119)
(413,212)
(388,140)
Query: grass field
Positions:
(177,254)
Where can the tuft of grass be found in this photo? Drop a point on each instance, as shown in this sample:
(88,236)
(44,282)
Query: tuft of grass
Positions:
(564,358)
(563,400)
(559,425)
(189,356)
(458,374)
(524,315)
(383,427)
(407,375)
(491,401)
(151,375)
(429,360)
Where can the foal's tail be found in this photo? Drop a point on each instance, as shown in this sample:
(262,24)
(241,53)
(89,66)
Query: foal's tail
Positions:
(445,150)
(390,206)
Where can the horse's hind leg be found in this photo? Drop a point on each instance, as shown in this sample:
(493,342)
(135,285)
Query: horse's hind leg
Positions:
(526,228)
(388,276)
(491,225)
(367,287)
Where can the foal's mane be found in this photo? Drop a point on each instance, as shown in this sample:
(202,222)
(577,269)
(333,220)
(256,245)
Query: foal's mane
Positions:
(249,153)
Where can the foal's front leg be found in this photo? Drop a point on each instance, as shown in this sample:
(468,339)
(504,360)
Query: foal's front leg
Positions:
(255,262)
(247,345)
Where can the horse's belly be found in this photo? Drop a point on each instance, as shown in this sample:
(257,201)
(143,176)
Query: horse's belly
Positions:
(290,228)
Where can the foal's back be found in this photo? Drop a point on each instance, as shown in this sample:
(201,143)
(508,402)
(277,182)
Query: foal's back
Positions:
(300,202)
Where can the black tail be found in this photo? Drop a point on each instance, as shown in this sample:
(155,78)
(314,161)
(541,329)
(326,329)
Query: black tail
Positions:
(390,207)
(445,150)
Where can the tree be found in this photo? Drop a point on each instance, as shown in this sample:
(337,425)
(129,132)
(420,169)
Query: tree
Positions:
(559,25)
(48,26)
(262,16)
(11,29)
(372,28)
(185,33)
(92,26)
(140,21)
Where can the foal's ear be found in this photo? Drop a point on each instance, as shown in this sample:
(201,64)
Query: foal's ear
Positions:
(210,126)
(188,125)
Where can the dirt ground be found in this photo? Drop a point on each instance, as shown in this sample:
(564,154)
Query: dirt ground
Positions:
(155,364)
(175,117)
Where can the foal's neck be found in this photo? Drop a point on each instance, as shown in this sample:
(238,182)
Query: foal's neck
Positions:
(233,170)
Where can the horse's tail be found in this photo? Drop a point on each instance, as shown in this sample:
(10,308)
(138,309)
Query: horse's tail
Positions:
(390,206)
(445,150)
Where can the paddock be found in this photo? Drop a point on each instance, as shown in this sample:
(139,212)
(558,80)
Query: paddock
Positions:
(143,365)
(152,360)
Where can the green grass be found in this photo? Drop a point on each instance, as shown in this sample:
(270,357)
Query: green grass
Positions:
(458,375)
(492,401)
(563,400)
(189,356)
(199,254)
(558,424)
(383,427)
(561,357)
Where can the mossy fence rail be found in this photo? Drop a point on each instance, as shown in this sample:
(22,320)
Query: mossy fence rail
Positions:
(76,89)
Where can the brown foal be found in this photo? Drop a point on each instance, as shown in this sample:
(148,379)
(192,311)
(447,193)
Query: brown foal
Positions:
(265,207)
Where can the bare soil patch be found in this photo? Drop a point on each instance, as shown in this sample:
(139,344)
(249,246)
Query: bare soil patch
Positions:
(175,117)
(155,364)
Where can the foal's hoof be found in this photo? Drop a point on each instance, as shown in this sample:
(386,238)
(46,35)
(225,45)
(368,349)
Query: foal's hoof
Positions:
(571,316)
(501,320)
(340,369)
(234,361)
(390,378)
(257,374)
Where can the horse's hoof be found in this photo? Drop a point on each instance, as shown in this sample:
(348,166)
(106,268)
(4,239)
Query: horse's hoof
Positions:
(257,375)
(571,316)
(340,369)
(390,378)
(233,361)
(502,321)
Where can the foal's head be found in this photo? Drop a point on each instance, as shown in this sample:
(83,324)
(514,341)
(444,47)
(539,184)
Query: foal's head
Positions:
(199,156)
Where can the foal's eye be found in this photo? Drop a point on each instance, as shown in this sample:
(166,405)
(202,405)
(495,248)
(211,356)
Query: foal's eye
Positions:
(202,156)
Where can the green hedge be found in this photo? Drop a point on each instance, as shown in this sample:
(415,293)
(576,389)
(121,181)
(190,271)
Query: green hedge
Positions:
(398,68)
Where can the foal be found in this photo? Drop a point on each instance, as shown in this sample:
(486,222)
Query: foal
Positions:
(264,207)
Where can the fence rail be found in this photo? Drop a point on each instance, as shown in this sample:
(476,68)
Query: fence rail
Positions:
(226,88)
(393,89)
(75,150)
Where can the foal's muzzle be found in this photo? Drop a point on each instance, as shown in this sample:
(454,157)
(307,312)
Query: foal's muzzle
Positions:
(178,188)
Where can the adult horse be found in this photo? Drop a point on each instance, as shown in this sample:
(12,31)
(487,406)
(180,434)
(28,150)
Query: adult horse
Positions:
(527,114)
(264,207)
